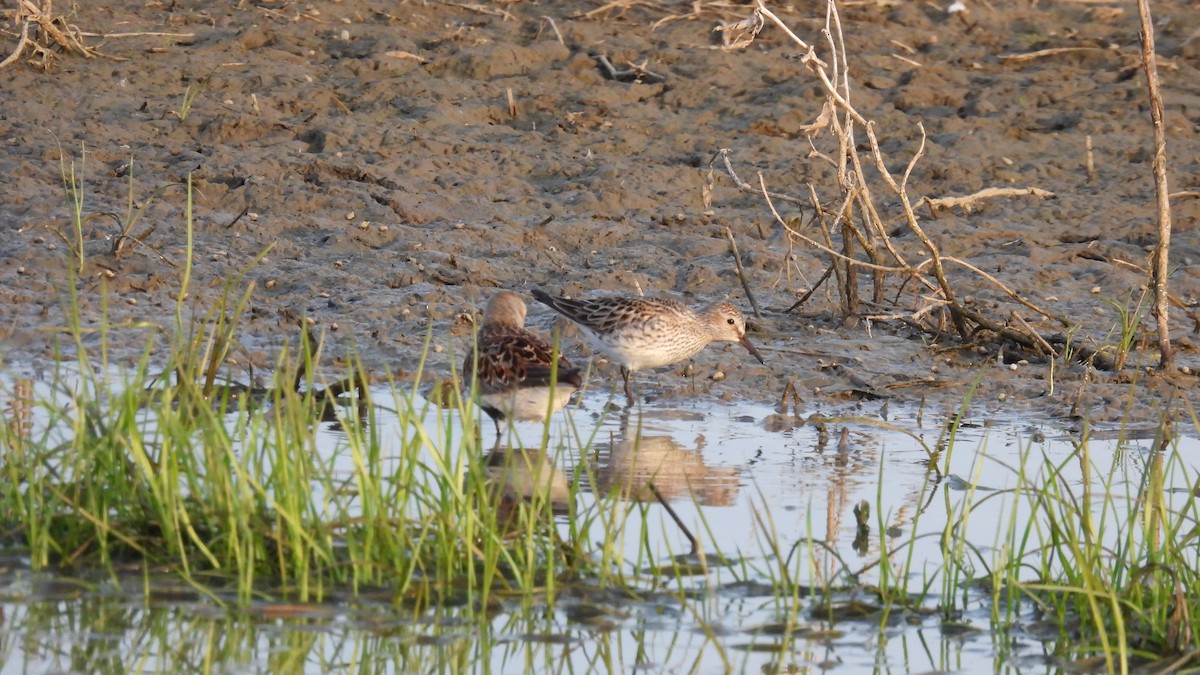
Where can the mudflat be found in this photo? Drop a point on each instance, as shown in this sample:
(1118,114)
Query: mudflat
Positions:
(380,169)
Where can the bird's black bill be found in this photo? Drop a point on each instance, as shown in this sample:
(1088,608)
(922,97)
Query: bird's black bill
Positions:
(745,342)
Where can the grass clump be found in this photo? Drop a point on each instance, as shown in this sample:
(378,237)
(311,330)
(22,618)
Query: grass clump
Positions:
(172,463)
(225,481)
(1101,554)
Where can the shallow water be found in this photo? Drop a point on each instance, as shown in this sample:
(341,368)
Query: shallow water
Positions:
(741,477)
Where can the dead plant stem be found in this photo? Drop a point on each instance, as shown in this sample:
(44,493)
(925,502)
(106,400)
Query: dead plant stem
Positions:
(1161,257)
(741,272)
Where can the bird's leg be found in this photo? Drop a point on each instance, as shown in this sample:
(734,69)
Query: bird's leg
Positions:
(628,394)
(496,420)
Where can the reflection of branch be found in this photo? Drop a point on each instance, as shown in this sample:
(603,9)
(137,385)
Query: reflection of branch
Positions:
(880,424)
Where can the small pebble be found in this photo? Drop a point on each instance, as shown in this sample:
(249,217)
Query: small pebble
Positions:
(1003,396)
(333,326)
(1012,366)
(310,321)
(132,301)
(350,215)
(325,294)
(718,376)
(437,349)
(271,283)
(383,228)
(21,270)
(1095,289)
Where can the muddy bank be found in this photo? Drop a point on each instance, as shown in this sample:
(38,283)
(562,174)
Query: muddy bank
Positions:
(398,164)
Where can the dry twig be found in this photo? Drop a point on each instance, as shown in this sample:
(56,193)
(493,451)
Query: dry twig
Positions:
(636,72)
(741,272)
(1042,53)
(969,202)
(1161,258)
(742,185)
(51,31)
(857,218)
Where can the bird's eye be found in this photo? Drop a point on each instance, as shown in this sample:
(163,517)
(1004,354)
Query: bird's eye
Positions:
(731,321)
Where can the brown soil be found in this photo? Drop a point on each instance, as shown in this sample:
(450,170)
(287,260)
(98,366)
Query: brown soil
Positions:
(372,147)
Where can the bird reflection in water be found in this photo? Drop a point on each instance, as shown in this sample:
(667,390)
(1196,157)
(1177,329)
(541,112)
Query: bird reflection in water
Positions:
(636,462)
(521,476)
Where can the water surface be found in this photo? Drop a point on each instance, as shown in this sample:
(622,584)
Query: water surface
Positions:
(763,493)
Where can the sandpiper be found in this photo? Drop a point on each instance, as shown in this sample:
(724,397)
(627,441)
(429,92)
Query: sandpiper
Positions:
(640,333)
(515,369)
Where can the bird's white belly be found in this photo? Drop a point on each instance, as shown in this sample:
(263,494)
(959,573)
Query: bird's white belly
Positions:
(529,403)
(642,354)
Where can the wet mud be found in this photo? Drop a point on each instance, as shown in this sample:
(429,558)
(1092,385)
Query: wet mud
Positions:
(394,164)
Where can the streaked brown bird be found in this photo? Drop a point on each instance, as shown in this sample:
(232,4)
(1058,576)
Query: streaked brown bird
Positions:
(640,333)
(515,371)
